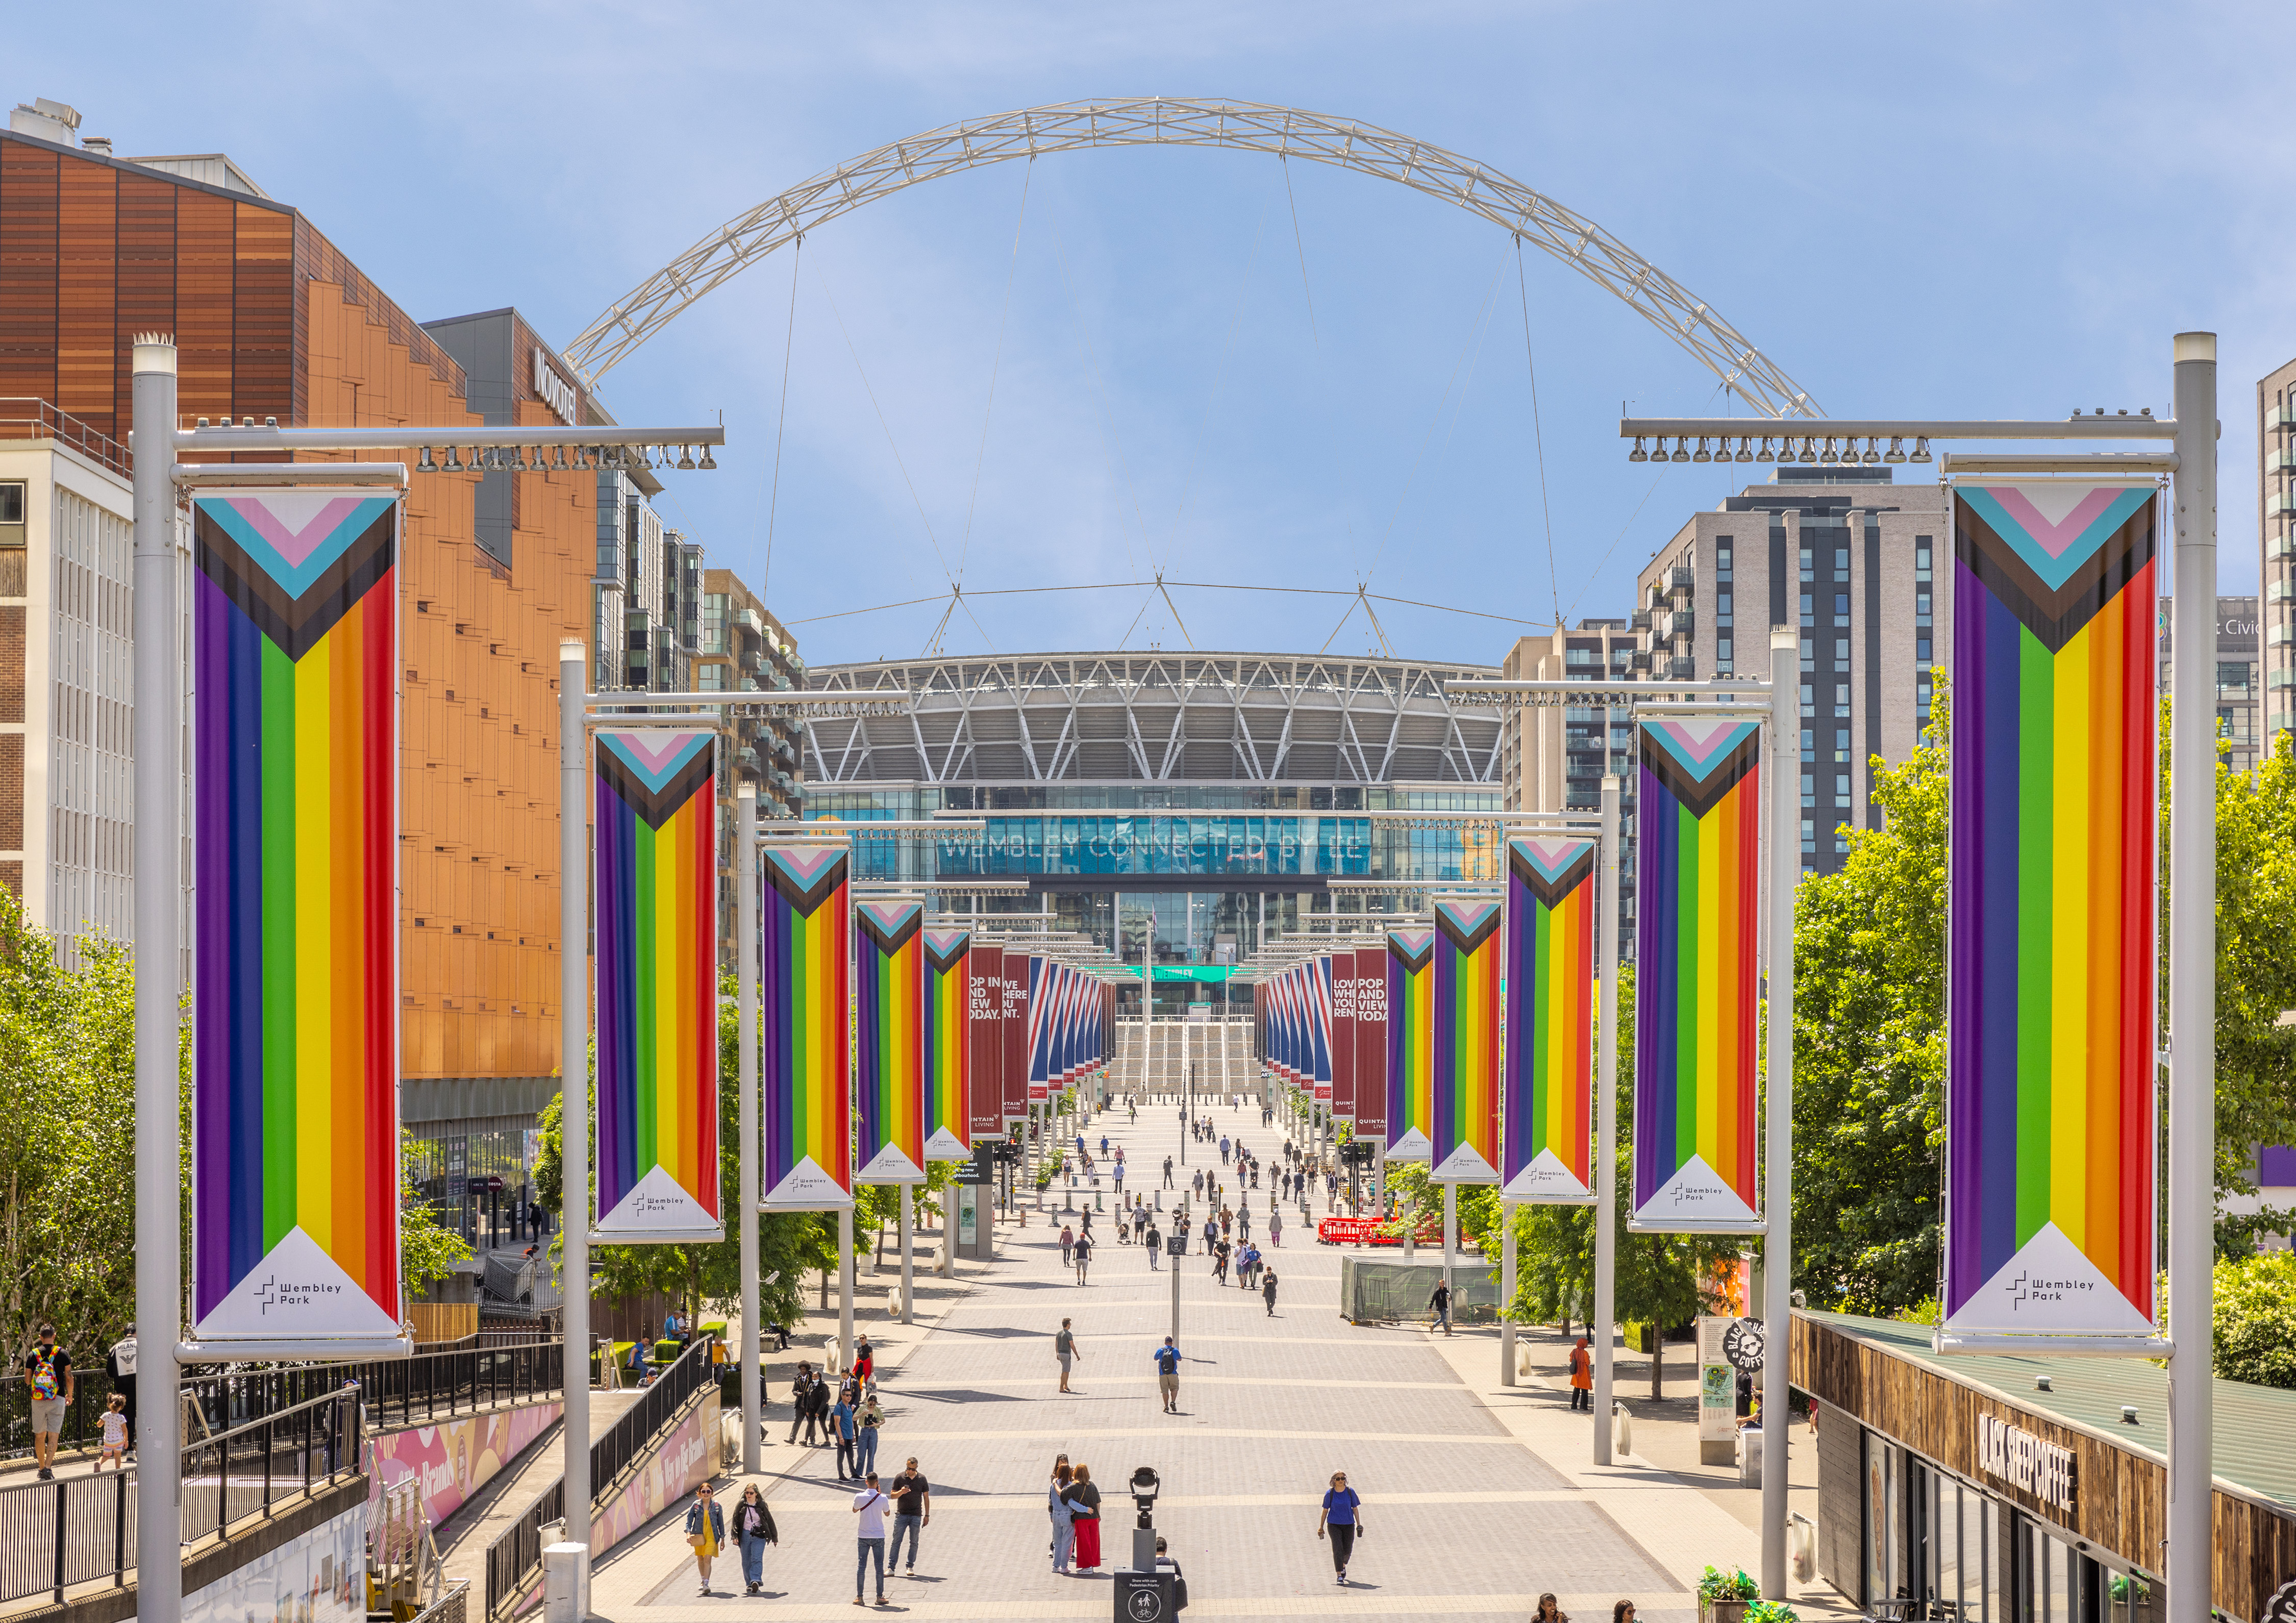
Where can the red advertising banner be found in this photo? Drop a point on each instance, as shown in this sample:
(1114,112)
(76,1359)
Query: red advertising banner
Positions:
(1012,1022)
(1371,1045)
(1343,1036)
(984,1104)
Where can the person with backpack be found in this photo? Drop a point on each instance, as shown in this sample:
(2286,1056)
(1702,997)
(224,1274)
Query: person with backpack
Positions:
(753,1530)
(1582,1376)
(48,1377)
(1167,1375)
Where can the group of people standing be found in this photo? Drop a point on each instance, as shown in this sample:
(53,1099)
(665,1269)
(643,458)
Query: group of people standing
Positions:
(1072,1500)
(850,1417)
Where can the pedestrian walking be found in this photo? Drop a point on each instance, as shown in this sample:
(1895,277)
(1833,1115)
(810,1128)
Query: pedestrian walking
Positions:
(1084,1516)
(872,1419)
(48,1377)
(1582,1377)
(1441,1303)
(1167,1375)
(1068,1245)
(1155,1244)
(1267,1291)
(1056,1500)
(1274,1227)
(115,1433)
(1549,1610)
(1168,1172)
(123,1379)
(842,1423)
(1083,1257)
(1342,1518)
(865,1362)
(800,1401)
(912,1511)
(705,1532)
(869,1504)
(1224,1148)
(1219,1259)
(1623,1612)
(1064,1347)
(753,1530)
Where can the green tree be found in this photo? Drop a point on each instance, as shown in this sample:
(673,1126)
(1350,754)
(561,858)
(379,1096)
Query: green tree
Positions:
(1869,1048)
(428,1250)
(2256,981)
(2255,1329)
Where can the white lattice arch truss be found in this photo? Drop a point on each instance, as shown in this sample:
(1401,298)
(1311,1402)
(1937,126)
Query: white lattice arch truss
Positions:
(1286,132)
(1153,718)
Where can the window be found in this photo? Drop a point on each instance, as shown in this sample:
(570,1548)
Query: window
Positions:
(1842,650)
(1841,608)
(1722,654)
(1809,703)
(1722,556)
(1841,786)
(1809,798)
(1809,744)
(1806,570)
(11,514)
(1840,744)
(1922,546)
(1842,562)
(1722,607)
(1805,608)
(1808,832)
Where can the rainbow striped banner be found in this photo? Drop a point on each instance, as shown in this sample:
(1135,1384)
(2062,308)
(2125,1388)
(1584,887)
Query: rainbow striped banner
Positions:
(1318,984)
(1695,981)
(802,1029)
(948,1044)
(654,866)
(295,917)
(2050,1106)
(1548,1074)
(1465,1005)
(1410,1044)
(889,1055)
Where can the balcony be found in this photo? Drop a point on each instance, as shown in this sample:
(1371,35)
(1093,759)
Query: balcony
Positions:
(2280,502)
(1682,577)
(2279,418)
(1640,620)
(1681,669)
(2281,549)
(1685,621)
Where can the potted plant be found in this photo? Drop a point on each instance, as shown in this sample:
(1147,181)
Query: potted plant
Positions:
(1770,1612)
(1723,1597)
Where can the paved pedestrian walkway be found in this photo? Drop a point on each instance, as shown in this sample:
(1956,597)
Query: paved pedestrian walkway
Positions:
(1468,1505)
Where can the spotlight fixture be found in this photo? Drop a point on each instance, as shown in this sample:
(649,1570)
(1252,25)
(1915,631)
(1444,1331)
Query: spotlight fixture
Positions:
(454,463)
(1872,456)
(1680,455)
(518,460)
(709,464)
(426,465)
(1896,451)
(685,457)
(1827,454)
(1807,454)
(1700,454)
(1764,454)
(1638,454)
(1921,448)
(1744,454)
(558,460)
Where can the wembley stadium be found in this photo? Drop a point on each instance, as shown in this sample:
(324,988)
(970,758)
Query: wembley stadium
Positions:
(1186,805)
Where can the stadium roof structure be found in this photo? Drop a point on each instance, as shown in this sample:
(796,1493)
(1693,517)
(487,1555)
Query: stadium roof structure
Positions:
(1160,717)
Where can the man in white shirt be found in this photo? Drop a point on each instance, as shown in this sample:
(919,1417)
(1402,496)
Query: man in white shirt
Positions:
(870,1504)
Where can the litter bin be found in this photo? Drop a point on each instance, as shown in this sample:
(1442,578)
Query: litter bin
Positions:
(1750,1456)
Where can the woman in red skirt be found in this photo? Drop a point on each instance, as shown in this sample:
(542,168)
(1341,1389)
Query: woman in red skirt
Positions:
(1083,1506)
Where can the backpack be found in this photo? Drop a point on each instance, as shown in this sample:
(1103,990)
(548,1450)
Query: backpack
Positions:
(45,1384)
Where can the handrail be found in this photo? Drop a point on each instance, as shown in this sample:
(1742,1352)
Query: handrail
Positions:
(217,1438)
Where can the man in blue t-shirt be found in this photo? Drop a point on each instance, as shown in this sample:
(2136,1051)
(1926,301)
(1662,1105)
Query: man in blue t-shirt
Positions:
(1167,1375)
(1342,1514)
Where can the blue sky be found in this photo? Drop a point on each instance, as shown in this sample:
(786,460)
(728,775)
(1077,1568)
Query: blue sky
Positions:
(1946,210)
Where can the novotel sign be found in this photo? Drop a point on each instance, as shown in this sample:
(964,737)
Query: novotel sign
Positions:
(553,391)
(2016,1457)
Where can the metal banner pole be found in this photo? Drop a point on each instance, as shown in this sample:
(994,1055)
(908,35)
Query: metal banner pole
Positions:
(159,1136)
(1450,1233)
(1777,1242)
(751,1346)
(2192,982)
(1506,1293)
(908,1252)
(845,1288)
(574,1079)
(1600,1327)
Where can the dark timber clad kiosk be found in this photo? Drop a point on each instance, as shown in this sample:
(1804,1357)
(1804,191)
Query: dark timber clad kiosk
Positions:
(2030,1490)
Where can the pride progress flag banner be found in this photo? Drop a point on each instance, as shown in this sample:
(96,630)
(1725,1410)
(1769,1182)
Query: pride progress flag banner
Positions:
(2050,1080)
(1410,1044)
(889,1062)
(1549,1076)
(295,917)
(654,869)
(1696,984)
(1466,1041)
(946,1018)
(807,1109)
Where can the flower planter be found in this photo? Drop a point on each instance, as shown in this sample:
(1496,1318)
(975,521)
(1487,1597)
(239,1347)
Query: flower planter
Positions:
(1722,1612)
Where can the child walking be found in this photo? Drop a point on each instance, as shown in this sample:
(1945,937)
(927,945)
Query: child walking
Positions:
(115,1433)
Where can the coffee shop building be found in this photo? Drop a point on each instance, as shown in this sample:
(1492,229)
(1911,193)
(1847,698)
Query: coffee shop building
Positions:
(1998,1489)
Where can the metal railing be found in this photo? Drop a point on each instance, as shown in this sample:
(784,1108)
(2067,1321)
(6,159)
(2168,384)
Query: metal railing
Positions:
(77,1531)
(28,417)
(514,1558)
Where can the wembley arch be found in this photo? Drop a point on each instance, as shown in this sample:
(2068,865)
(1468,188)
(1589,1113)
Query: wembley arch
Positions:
(1285,132)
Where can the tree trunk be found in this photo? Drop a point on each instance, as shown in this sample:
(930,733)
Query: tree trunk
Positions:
(1657,1356)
